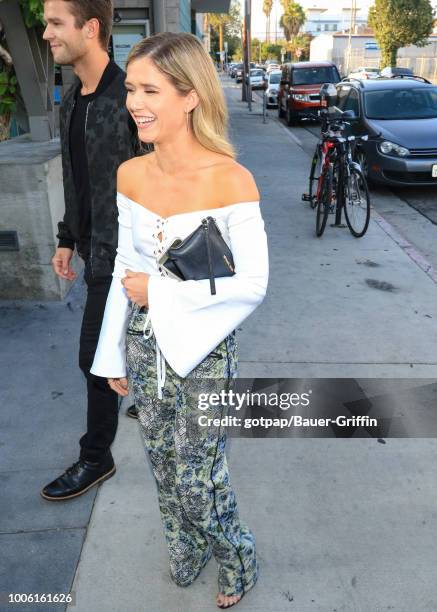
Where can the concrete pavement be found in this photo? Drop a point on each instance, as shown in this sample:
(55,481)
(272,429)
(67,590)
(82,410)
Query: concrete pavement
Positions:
(341,525)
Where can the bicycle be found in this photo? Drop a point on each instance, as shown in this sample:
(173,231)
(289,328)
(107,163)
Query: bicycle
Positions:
(340,182)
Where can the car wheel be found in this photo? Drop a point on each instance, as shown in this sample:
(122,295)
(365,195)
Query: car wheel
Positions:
(291,117)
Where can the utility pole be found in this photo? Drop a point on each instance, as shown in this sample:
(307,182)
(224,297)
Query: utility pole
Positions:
(246,90)
(352,26)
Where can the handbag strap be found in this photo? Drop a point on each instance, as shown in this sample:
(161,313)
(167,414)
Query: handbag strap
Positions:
(205,223)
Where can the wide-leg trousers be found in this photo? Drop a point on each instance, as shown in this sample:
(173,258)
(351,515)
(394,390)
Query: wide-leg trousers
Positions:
(198,506)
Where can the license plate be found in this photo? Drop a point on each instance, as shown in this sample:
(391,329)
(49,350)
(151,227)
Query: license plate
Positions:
(434,171)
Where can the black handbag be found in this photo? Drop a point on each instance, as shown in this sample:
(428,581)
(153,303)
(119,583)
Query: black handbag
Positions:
(202,254)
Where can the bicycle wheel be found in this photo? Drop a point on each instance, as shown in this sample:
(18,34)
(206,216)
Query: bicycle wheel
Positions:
(356,203)
(324,200)
(316,167)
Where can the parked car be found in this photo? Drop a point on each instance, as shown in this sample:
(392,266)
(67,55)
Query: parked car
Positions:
(235,68)
(238,72)
(239,69)
(273,79)
(299,88)
(400,116)
(230,68)
(390,72)
(271,67)
(257,79)
(364,73)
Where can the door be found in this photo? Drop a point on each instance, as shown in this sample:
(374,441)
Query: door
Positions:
(123,39)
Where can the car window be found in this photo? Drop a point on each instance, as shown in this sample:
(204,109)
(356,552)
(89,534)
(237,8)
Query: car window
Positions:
(274,78)
(342,95)
(256,73)
(352,103)
(314,76)
(412,103)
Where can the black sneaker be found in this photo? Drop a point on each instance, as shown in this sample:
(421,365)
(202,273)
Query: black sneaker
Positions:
(132,412)
(78,478)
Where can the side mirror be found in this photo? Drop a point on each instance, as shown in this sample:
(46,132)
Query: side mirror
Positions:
(349,114)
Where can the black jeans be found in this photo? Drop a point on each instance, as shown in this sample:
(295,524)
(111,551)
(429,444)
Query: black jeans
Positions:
(102,414)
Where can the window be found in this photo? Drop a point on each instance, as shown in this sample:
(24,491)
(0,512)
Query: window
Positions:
(342,95)
(316,75)
(352,102)
(411,103)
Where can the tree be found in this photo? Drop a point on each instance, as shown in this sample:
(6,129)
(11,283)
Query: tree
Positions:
(399,23)
(299,46)
(226,26)
(33,14)
(293,18)
(267,9)
(8,88)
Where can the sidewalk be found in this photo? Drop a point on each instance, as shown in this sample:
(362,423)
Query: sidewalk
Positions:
(341,525)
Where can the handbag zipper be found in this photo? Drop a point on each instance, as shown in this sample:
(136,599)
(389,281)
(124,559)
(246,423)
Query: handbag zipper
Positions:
(205,223)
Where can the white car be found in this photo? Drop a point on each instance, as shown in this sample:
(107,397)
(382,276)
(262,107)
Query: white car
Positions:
(364,73)
(271,67)
(257,78)
(271,93)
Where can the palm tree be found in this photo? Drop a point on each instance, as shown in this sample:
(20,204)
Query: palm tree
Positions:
(218,21)
(293,18)
(267,9)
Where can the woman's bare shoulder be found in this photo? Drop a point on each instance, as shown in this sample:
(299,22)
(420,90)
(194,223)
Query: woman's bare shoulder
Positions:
(235,183)
(129,171)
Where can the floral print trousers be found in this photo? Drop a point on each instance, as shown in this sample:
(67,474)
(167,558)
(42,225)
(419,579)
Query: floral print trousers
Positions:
(198,506)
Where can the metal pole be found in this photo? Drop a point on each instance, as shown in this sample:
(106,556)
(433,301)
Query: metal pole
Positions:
(248,42)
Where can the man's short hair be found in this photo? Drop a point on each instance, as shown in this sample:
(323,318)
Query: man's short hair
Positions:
(103,10)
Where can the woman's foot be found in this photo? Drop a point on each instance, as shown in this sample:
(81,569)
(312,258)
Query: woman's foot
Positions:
(226,601)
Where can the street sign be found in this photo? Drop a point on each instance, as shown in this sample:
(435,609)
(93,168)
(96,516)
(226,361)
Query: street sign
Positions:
(371,46)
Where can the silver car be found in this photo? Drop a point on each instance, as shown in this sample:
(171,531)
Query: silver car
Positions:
(273,79)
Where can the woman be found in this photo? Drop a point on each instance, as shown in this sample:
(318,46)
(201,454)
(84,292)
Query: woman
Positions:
(171,337)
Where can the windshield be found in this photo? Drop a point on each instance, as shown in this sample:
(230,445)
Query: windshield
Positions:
(256,73)
(315,76)
(275,78)
(412,103)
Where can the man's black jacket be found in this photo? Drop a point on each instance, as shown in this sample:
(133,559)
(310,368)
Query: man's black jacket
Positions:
(111,138)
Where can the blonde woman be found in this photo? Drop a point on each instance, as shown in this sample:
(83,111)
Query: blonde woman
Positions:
(170,337)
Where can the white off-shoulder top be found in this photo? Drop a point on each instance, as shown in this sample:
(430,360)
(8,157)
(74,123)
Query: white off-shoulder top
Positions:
(185,319)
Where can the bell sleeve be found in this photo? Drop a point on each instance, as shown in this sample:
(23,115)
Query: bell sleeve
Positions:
(188,322)
(110,357)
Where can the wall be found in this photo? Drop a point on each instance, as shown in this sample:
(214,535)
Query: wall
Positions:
(32,203)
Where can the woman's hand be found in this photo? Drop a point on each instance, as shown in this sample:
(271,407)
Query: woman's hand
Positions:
(119,385)
(136,285)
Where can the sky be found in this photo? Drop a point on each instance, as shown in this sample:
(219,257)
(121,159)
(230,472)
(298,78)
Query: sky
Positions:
(335,6)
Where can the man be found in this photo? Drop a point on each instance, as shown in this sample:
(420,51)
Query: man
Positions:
(97,135)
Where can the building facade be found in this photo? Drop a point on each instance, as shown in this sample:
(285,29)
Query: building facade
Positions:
(135,19)
(324,21)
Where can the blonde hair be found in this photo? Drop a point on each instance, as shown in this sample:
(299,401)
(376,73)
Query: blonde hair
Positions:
(183,60)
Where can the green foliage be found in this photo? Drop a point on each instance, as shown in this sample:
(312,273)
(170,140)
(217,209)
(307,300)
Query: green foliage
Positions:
(293,18)
(8,92)
(299,43)
(33,12)
(399,23)
(231,24)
